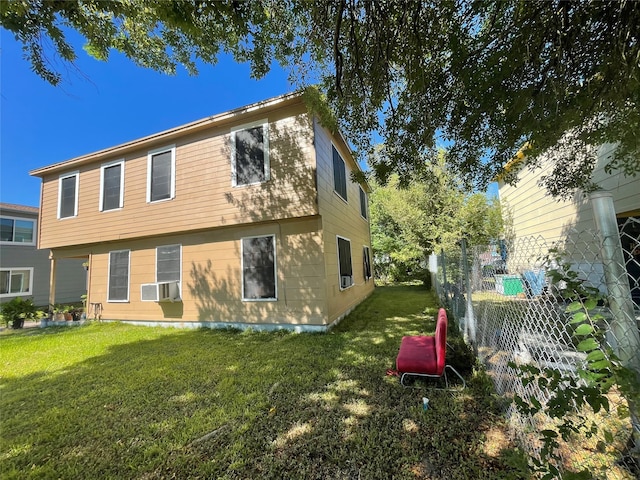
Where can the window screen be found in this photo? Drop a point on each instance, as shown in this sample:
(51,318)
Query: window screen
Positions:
(68,196)
(258,268)
(119,276)
(111,187)
(168,263)
(366,262)
(344,259)
(339,174)
(363,203)
(250,162)
(160,176)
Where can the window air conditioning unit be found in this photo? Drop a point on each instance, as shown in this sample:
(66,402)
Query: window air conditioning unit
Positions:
(160,292)
(345,281)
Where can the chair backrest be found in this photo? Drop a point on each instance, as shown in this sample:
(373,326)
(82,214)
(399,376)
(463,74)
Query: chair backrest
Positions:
(441,340)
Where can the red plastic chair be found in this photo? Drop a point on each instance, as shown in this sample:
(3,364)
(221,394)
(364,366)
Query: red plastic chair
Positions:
(425,355)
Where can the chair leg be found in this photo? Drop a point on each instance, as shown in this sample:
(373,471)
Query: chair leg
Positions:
(464,384)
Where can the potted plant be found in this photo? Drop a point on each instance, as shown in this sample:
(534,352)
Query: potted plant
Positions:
(17,311)
(58,312)
(67,314)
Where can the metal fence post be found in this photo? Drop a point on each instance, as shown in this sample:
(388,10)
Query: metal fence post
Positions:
(470,324)
(624,325)
(444,278)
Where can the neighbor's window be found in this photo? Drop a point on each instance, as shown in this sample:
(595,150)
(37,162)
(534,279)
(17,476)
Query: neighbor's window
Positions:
(16,281)
(112,185)
(168,262)
(363,203)
(366,262)
(250,154)
(17,230)
(119,276)
(259,268)
(339,174)
(68,195)
(344,262)
(161,167)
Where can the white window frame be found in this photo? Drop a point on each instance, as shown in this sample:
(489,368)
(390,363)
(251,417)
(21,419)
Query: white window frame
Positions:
(172,181)
(103,167)
(346,175)
(351,258)
(264,123)
(24,219)
(77,188)
(180,268)
(275,269)
(18,294)
(128,277)
(366,203)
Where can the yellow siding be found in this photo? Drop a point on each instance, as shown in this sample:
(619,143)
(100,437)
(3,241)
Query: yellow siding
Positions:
(343,219)
(204,196)
(212,276)
(536,213)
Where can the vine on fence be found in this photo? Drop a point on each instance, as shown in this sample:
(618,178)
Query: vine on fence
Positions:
(569,394)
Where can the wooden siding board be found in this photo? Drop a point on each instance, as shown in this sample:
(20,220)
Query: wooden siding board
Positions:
(343,219)
(211,277)
(203,188)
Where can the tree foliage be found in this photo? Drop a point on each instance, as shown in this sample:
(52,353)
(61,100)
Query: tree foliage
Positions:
(409,222)
(486,76)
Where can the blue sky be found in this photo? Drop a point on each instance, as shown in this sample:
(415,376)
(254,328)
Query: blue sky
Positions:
(103,104)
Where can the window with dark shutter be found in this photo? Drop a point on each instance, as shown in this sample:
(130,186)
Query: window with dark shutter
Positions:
(339,174)
(258,268)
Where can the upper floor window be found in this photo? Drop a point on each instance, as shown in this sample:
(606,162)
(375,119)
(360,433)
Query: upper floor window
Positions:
(16,281)
(118,276)
(168,263)
(339,174)
(161,174)
(363,203)
(259,268)
(68,195)
(344,263)
(112,185)
(17,230)
(250,153)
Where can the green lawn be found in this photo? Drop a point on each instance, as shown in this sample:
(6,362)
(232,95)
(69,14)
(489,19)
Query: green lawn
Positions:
(119,401)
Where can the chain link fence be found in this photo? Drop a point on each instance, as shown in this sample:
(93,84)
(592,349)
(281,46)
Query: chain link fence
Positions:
(510,310)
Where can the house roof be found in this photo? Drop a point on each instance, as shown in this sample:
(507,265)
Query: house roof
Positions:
(18,208)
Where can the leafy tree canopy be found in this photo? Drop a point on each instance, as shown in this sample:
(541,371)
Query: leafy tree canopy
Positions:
(409,223)
(484,77)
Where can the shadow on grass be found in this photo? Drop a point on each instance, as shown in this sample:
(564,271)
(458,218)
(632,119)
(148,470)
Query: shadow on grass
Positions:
(226,404)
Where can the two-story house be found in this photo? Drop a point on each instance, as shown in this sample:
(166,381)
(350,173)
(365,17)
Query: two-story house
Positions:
(249,218)
(25,270)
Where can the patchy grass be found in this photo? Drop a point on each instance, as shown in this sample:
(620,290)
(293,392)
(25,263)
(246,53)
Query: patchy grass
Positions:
(119,401)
